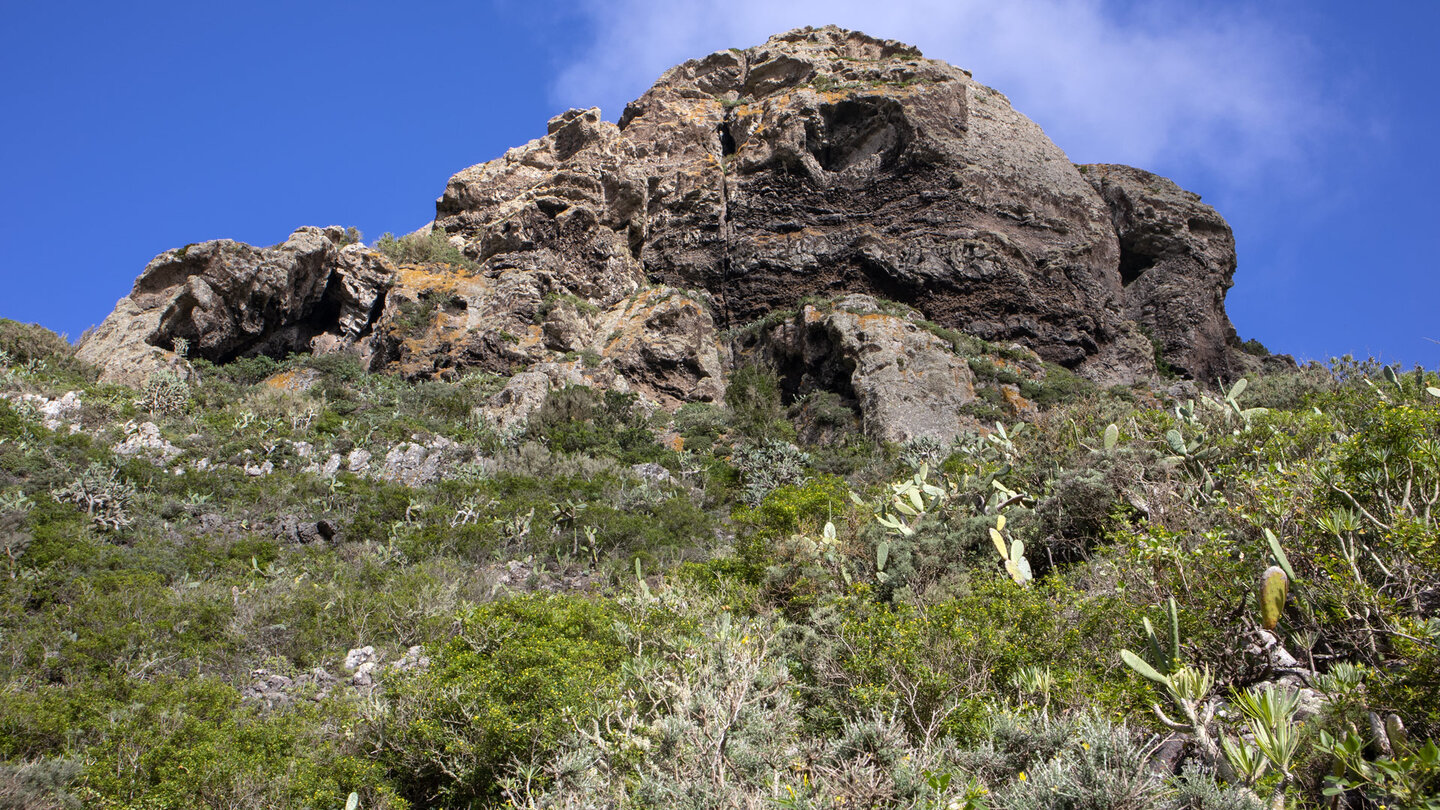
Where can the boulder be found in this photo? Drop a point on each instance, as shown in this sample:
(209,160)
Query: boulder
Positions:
(821,164)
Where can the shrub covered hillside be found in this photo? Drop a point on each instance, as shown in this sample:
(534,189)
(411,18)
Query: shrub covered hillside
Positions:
(296,584)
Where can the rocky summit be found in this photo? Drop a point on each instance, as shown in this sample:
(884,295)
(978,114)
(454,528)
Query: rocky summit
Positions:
(809,183)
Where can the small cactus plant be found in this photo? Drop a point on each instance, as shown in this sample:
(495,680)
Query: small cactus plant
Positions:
(1013,555)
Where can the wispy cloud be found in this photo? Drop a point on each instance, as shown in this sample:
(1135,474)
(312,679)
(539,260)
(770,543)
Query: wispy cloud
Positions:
(1221,90)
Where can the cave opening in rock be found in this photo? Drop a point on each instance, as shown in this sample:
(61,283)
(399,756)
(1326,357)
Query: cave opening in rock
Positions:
(727,140)
(816,387)
(861,131)
(818,367)
(1133,264)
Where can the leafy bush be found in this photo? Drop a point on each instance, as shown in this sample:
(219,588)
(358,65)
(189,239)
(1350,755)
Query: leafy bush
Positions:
(242,371)
(580,419)
(33,346)
(185,743)
(43,785)
(699,424)
(513,681)
(752,396)
(165,394)
(1098,766)
(424,248)
(766,465)
(1254,348)
(706,720)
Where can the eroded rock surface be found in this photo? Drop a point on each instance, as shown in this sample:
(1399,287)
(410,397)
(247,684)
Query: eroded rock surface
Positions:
(225,299)
(1177,259)
(822,162)
(905,382)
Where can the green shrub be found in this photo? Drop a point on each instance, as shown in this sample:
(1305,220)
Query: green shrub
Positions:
(165,394)
(29,344)
(1254,348)
(1060,386)
(675,525)
(766,465)
(193,743)
(579,419)
(424,248)
(168,742)
(796,507)
(419,312)
(1096,766)
(752,396)
(512,682)
(700,424)
(241,371)
(43,785)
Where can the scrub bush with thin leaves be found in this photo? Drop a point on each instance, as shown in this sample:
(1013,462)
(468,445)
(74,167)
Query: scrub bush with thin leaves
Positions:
(102,493)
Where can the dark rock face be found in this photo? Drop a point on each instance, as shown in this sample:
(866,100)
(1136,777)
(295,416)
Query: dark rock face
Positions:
(821,163)
(1177,258)
(825,165)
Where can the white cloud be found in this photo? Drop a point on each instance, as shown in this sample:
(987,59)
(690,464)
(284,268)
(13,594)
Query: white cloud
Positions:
(1225,91)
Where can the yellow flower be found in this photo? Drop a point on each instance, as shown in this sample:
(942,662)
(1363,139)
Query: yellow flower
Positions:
(1022,776)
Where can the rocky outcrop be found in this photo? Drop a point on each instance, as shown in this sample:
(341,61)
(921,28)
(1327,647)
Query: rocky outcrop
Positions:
(905,382)
(1177,259)
(224,299)
(510,409)
(822,164)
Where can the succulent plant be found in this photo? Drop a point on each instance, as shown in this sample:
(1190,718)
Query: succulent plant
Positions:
(1013,555)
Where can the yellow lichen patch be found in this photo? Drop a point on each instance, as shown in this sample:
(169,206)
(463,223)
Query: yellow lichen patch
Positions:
(427,277)
(534,336)
(874,320)
(1017,403)
(295,379)
(698,111)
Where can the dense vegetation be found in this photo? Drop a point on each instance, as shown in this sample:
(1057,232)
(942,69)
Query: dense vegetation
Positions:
(747,605)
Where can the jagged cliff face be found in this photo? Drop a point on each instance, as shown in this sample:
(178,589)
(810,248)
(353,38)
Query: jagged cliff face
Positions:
(1177,259)
(822,164)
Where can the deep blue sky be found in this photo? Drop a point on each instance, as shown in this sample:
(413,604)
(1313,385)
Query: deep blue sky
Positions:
(130,129)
